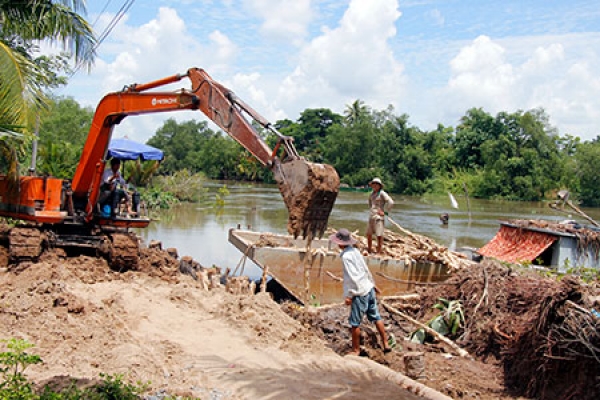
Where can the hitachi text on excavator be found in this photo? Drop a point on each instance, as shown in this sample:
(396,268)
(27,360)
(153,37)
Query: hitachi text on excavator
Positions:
(65,213)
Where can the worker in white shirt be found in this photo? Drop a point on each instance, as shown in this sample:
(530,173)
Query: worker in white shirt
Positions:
(359,290)
(112,188)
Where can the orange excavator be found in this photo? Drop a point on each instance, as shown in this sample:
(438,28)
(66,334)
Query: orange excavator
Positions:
(65,214)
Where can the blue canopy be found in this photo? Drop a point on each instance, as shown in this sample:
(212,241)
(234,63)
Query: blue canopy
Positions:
(125,149)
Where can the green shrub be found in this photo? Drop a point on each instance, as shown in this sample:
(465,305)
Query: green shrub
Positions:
(113,388)
(15,386)
(183,185)
(155,197)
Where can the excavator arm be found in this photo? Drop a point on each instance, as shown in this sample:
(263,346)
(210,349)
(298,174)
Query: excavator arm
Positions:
(309,190)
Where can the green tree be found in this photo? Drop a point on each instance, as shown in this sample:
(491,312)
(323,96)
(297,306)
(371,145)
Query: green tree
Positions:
(23,76)
(224,158)
(439,144)
(315,125)
(181,143)
(402,154)
(475,128)
(310,130)
(352,150)
(587,161)
(516,153)
(62,135)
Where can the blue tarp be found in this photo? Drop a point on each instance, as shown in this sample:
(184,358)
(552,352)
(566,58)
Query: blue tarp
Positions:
(125,149)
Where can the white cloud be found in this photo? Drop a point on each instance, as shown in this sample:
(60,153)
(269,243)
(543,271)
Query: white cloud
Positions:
(275,57)
(351,61)
(222,49)
(157,49)
(250,89)
(483,74)
(283,20)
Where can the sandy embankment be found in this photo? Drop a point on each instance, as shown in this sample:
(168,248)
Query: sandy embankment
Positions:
(85,319)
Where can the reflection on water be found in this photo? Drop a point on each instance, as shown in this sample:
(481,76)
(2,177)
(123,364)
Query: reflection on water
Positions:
(200,230)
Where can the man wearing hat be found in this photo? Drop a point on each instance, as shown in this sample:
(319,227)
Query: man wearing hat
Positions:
(359,290)
(380,203)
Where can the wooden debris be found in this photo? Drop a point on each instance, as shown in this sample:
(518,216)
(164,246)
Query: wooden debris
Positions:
(413,248)
(405,245)
(334,277)
(406,281)
(155,244)
(263,282)
(240,285)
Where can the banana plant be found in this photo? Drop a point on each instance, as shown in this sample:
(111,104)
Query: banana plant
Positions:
(449,320)
(452,314)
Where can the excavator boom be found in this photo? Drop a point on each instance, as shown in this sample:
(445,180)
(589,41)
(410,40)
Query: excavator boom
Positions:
(309,190)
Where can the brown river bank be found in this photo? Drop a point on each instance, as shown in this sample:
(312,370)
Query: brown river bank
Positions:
(156,325)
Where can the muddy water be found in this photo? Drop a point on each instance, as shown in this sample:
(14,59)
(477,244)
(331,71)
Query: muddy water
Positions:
(200,230)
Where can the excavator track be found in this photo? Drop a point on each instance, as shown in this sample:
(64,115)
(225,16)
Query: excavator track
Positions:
(25,243)
(124,252)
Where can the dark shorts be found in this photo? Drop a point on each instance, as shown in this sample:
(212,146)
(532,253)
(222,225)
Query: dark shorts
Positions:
(362,305)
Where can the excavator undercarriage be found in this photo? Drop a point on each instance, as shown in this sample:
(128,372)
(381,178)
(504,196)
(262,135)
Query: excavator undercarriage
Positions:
(27,242)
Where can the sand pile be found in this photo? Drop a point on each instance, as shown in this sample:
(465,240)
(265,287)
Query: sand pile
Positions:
(156,325)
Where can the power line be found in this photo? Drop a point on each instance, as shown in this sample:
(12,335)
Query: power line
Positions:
(108,29)
(124,8)
(101,12)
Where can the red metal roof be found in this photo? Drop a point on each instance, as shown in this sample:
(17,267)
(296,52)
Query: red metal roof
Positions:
(512,244)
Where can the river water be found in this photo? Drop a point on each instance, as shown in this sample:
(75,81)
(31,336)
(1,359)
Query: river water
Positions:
(201,230)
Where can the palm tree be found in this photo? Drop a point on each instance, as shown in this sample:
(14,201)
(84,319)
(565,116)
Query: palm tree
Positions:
(23,77)
(355,112)
(22,22)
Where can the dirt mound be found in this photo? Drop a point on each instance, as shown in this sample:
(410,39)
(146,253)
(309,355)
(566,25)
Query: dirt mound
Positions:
(557,356)
(157,326)
(454,376)
(541,330)
(530,335)
(498,301)
(160,264)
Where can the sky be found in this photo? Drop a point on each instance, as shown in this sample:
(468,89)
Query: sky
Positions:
(430,59)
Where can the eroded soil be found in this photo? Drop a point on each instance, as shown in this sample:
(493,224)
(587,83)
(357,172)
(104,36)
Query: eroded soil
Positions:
(155,324)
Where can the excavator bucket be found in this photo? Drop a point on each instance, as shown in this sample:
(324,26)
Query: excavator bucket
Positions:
(309,191)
